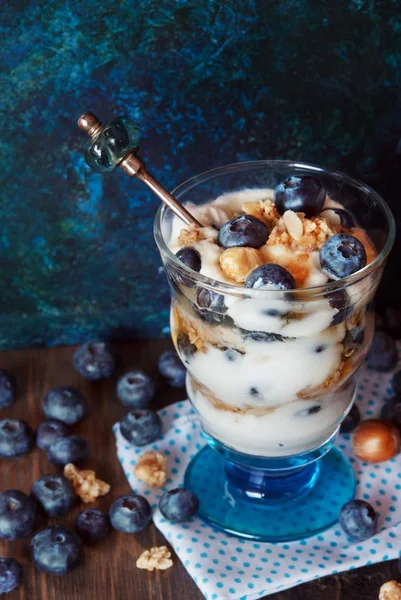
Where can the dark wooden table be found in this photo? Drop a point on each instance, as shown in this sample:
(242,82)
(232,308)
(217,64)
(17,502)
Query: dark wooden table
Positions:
(109,571)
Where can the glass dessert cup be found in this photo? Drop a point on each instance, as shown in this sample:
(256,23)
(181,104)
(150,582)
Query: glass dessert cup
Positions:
(272,374)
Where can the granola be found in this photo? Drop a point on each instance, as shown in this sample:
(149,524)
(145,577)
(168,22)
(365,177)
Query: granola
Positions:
(152,468)
(85,483)
(155,558)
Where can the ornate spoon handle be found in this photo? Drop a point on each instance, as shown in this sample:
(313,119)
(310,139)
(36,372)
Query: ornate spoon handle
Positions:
(116,144)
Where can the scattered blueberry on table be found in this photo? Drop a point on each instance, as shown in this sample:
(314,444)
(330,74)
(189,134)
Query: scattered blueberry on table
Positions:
(396,382)
(391,410)
(7,388)
(178,505)
(56,550)
(16,438)
(130,513)
(300,194)
(383,355)
(70,449)
(135,389)
(54,494)
(140,427)
(245,230)
(358,520)
(172,369)
(65,404)
(17,515)
(351,420)
(10,575)
(50,431)
(92,525)
(95,360)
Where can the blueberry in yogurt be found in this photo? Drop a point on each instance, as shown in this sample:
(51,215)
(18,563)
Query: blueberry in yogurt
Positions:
(209,299)
(342,255)
(339,300)
(270,277)
(245,230)
(185,347)
(191,258)
(300,194)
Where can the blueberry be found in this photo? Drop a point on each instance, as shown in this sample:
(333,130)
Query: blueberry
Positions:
(178,505)
(262,336)
(396,382)
(92,525)
(95,360)
(209,316)
(185,347)
(342,255)
(71,449)
(300,194)
(245,230)
(190,257)
(358,519)
(210,299)
(312,410)
(10,575)
(50,431)
(344,218)
(141,427)
(351,420)
(54,494)
(339,300)
(383,353)
(130,513)
(17,515)
(16,438)
(56,550)
(65,404)
(135,389)
(232,354)
(391,410)
(212,307)
(171,367)
(7,388)
(270,277)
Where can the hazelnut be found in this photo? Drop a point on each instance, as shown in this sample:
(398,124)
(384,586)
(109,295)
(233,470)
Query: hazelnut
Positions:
(375,441)
(237,263)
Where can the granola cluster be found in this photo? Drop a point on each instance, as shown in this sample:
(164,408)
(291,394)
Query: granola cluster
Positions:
(85,483)
(152,468)
(155,558)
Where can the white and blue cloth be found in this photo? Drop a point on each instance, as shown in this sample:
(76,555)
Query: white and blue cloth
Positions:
(229,568)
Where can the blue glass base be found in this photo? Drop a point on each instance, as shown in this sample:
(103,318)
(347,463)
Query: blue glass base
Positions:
(270,505)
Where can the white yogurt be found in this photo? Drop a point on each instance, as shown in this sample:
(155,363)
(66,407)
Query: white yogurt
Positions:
(265,381)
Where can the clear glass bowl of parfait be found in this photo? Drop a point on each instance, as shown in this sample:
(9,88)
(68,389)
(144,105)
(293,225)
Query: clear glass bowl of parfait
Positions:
(272,315)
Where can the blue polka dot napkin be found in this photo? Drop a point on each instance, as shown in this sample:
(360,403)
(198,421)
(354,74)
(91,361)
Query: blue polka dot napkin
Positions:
(225,567)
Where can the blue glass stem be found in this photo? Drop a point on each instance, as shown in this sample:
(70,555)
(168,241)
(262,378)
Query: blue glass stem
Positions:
(270,486)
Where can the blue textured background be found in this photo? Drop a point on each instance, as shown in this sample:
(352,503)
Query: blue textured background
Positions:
(210,83)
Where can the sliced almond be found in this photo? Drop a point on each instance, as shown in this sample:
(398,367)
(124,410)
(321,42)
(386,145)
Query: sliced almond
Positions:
(293,224)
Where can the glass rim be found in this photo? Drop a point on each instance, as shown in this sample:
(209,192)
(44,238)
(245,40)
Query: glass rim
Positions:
(236,289)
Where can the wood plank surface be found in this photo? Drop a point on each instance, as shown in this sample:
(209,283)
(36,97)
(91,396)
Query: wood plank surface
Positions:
(109,571)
